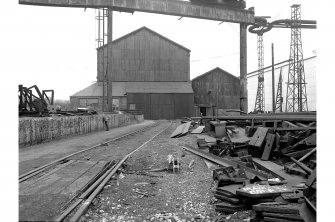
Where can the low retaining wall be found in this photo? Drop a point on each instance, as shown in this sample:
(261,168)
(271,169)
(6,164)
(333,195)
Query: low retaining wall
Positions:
(38,130)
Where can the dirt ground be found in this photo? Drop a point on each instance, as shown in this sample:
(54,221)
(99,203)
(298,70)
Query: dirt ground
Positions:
(162,196)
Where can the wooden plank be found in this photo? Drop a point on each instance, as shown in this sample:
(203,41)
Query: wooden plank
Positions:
(270,138)
(273,219)
(296,128)
(282,215)
(230,208)
(277,208)
(227,199)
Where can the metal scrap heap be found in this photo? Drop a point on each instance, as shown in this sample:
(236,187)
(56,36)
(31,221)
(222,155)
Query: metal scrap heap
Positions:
(265,163)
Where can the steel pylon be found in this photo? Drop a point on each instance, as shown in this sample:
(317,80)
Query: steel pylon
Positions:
(296,96)
(279,96)
(260,102)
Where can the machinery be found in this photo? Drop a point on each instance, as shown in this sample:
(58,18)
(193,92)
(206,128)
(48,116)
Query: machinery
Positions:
(33,102)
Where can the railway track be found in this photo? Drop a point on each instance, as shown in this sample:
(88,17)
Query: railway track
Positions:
(77,178)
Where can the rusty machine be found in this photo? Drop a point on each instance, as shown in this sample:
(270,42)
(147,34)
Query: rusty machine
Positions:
(33,102)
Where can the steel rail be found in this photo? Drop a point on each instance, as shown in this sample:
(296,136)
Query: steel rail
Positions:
(41,168)
(88,190)
(83,208)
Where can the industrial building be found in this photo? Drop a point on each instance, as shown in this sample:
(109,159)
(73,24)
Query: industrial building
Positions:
(215,91)
(150,74)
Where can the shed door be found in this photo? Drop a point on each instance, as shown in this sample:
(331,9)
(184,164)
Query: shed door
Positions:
(203,111)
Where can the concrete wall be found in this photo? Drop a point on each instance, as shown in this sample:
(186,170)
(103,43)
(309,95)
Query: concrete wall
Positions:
(38,130)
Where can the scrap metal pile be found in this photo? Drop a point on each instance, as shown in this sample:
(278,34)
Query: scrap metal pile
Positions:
(266,163)
(34,103)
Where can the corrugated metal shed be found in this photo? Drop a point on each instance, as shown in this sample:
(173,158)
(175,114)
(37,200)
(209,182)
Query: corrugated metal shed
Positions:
(145,55)
(216,88)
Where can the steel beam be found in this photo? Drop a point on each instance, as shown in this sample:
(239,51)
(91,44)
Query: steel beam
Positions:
(299,118)
(225,162)
(243,69)
(167,7)
(109,61)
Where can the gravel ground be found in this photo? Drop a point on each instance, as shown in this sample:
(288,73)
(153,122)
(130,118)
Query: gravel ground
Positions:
(163,196)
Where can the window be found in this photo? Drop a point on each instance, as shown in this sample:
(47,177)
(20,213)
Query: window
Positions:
(132,106)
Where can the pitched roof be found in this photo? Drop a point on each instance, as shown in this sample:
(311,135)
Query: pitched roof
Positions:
(217,68)
(149,30)
(121,88)
(159,87)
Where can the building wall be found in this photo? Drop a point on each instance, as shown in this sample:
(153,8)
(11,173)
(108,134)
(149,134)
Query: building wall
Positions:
(96,102)
(162,105)
(224,90)
(145,56)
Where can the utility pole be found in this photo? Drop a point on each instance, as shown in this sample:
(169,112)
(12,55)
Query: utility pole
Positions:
(296,96)
(109,61)
(273,80)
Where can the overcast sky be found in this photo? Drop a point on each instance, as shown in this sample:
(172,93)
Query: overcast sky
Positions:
(54,47)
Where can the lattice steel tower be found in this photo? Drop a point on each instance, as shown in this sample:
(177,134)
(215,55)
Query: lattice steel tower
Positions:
(279,96)
(260,101)
(296,97)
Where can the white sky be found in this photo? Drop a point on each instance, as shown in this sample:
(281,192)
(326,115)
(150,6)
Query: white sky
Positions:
(54,47)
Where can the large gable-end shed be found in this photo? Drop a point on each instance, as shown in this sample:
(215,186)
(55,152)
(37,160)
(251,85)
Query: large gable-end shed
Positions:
(216,88)
(145,55)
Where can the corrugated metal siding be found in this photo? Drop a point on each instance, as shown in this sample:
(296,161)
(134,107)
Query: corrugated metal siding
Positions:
(162,106)
(224,89)
(145,56)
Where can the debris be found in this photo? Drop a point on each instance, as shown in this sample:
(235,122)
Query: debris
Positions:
(202,143)
(259,137)
(270,138)
(301,165)
(220,128)
(191,164)
(174,163)
(181,130)
(262,191)
(198,130)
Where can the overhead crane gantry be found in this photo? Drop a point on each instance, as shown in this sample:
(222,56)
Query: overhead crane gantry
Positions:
(218,10)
